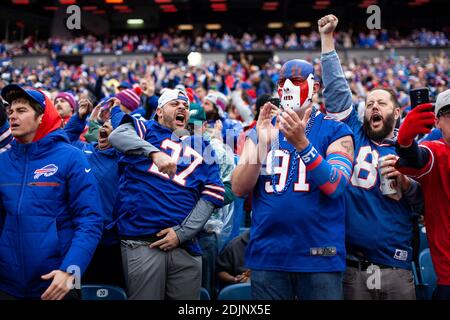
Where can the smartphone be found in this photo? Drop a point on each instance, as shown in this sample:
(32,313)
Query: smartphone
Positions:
(275,101)
(419,96)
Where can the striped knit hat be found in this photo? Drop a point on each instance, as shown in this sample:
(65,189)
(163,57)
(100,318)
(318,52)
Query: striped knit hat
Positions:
(129,98)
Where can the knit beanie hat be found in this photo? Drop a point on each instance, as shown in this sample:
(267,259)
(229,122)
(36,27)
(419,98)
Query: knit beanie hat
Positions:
(129,98)
(69,98)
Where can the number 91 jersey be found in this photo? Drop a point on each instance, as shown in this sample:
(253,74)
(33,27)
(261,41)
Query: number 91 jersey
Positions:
(149,200)
(301,229)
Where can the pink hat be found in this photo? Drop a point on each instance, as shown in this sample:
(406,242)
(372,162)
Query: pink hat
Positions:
(129,98)
(69,98)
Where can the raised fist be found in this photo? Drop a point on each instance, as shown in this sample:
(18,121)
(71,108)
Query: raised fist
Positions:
(84,108)
(327,24)
(101,72)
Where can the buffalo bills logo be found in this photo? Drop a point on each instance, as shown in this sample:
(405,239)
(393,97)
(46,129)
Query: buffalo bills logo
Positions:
(46,171)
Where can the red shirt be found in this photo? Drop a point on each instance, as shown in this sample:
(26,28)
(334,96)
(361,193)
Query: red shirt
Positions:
(435,180)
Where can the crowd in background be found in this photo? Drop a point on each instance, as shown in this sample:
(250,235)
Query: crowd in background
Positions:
(401,73)
(239,82)
(173,41)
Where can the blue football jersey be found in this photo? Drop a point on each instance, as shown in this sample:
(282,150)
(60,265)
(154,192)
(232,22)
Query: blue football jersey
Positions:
(377,226)
(301,229)
(151,201)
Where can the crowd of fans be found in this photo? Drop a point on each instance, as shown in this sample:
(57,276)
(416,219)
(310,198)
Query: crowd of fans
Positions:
(232,91)
(215,42)
(402,73)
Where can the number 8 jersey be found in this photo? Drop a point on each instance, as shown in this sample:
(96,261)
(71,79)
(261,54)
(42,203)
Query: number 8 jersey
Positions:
(379,227)
(301,229)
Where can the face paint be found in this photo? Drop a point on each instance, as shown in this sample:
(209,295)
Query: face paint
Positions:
(296,96)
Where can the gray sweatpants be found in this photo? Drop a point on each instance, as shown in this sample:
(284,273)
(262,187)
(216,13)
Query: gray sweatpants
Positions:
(152,274)
(393,284)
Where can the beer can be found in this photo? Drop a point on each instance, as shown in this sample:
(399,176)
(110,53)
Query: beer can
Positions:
(387,185)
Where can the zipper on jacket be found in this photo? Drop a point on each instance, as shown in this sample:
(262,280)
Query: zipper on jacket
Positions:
(19,224)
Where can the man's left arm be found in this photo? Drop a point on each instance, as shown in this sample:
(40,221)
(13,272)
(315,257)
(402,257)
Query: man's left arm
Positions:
(87,215)
(332,173)
(409,188)
(87,221)
(415,161)
(212,196)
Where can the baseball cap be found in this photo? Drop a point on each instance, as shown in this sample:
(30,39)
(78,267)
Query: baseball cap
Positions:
(172,94)
(196,113)
(124,85)
(442,101)
(11,91)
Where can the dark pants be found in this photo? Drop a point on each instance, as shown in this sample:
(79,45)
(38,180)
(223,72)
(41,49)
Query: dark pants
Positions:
(277,285)
(441,293)
(380,284)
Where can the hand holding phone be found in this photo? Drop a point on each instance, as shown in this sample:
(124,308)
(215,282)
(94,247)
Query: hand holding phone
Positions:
(420,96)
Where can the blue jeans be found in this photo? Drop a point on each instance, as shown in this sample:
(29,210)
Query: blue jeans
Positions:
(278,285)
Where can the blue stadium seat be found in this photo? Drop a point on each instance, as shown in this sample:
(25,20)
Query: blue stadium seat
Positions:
(427,273)
(102,292)
(414,271)
(239,291)
(204,294)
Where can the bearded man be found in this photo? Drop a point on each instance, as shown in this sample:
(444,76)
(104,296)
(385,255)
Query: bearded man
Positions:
(379,226)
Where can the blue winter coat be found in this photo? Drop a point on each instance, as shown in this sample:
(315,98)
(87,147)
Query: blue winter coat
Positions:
(105,168)
(50,216)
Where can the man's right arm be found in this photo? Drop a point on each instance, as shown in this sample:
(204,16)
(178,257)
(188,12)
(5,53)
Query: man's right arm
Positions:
(74,127)
(337,93)
(125,139)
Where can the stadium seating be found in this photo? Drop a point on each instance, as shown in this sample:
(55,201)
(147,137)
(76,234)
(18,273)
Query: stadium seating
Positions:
(204,294)
(102,292)
(423,238)
(239,291)
(427,273)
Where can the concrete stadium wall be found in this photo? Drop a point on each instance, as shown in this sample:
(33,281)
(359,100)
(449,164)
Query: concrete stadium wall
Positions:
(283,55)
(30,60)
